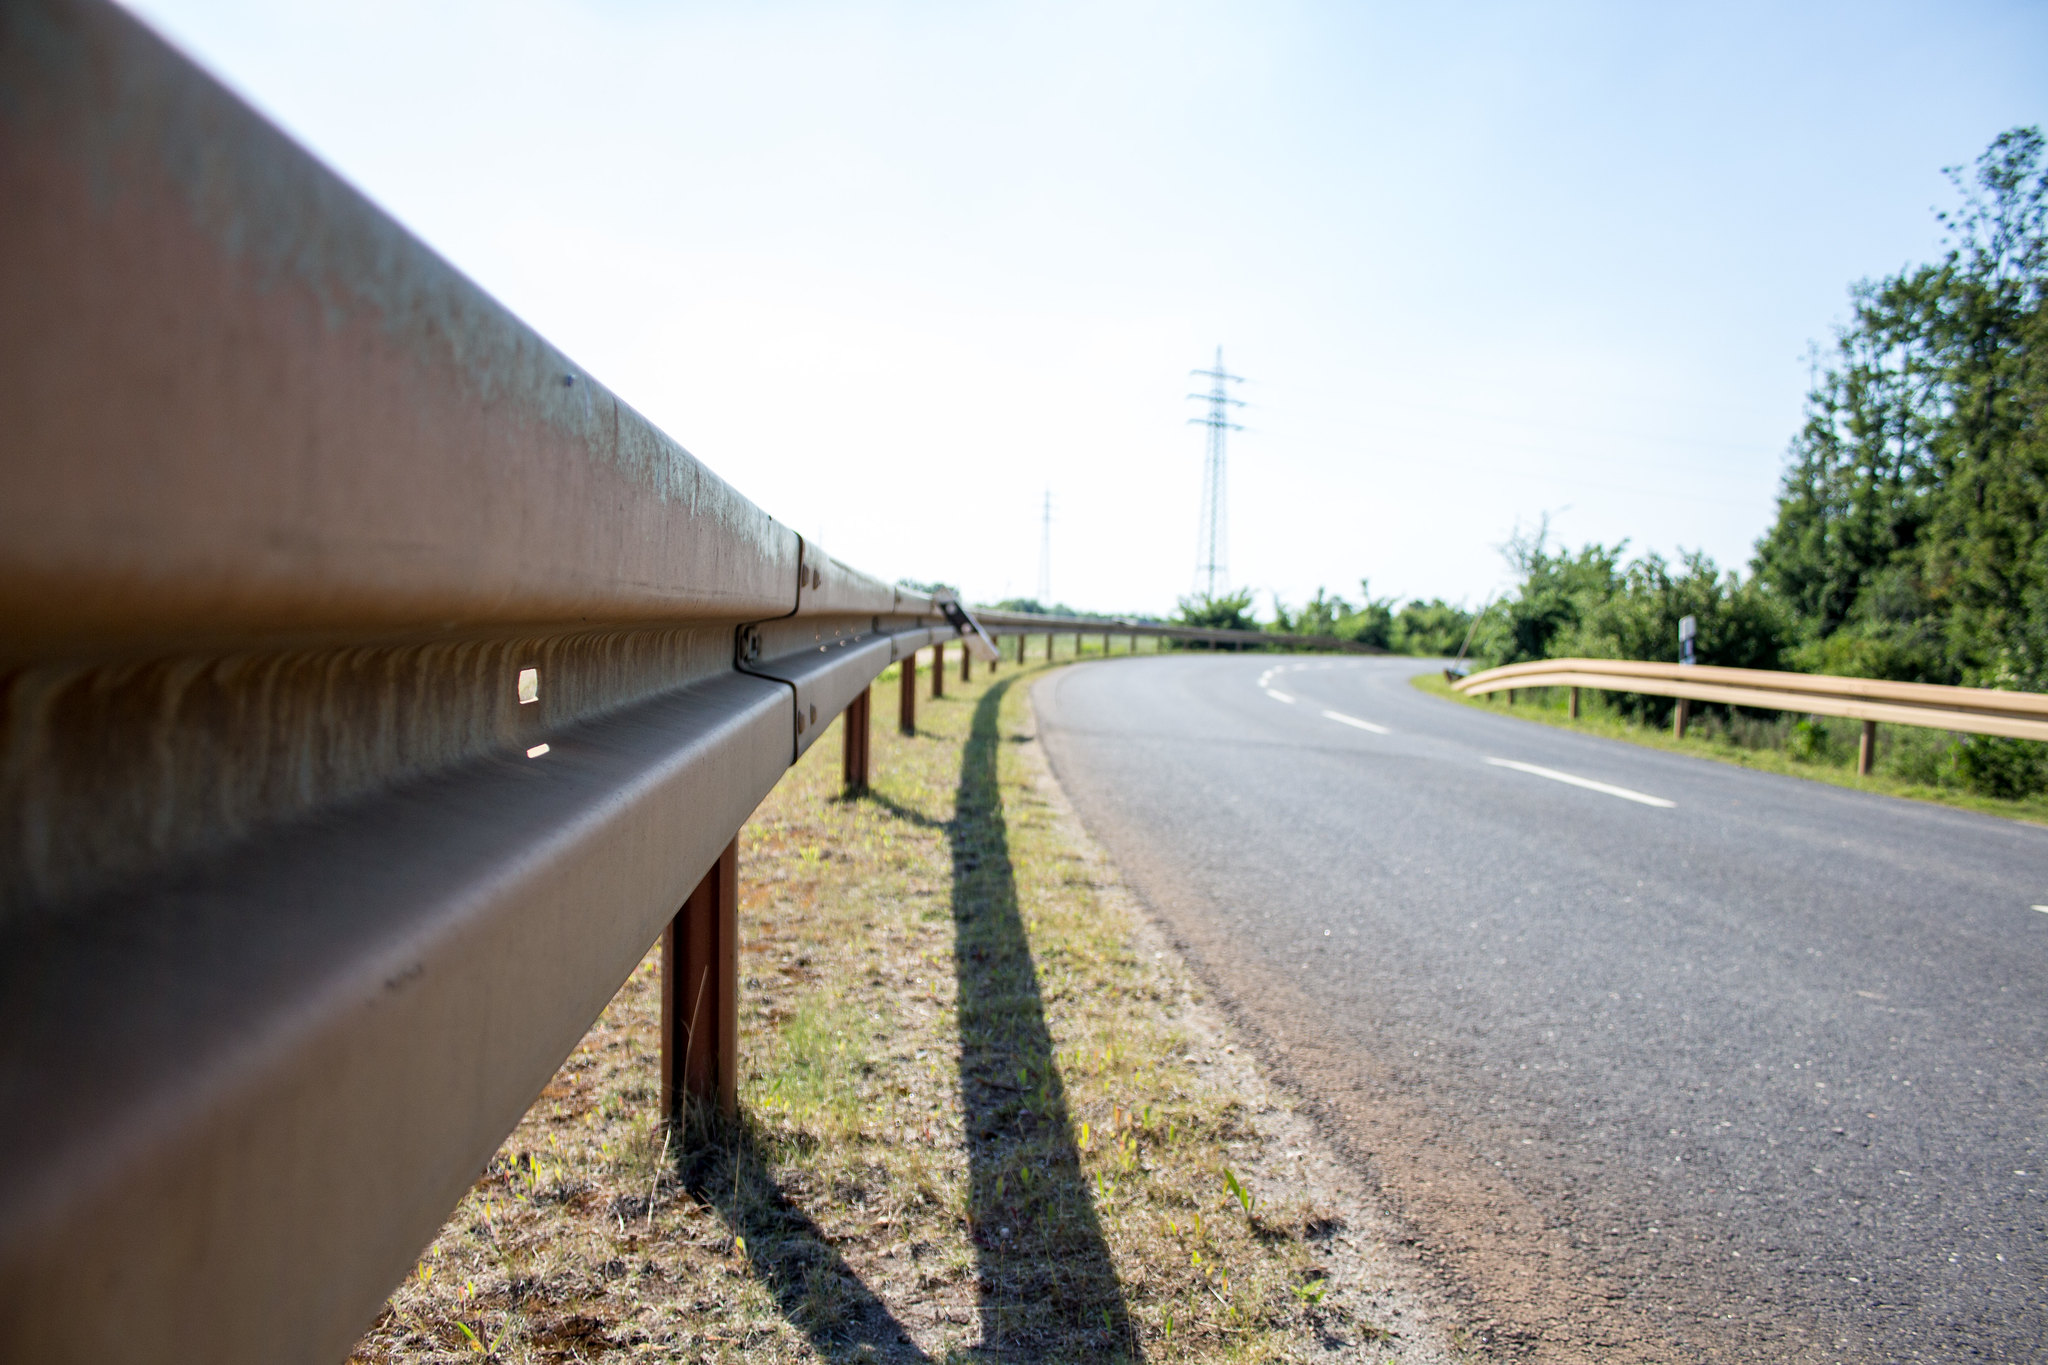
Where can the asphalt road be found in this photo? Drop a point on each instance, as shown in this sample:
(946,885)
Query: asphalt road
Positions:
(1751,1068)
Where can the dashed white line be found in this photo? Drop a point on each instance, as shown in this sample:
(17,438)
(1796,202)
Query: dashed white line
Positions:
(1343,719)
(1588,783)
(2042,908)
(1279,696)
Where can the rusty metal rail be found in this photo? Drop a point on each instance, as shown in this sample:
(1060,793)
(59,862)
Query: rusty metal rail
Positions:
(1973,710)
(377,688)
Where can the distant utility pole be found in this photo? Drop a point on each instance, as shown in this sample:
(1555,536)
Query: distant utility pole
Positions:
(1045,555)
(1212,567)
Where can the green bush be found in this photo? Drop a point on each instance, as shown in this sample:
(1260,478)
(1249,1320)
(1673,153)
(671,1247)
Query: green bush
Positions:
(1432,627)
(2005,768)
(1225,611)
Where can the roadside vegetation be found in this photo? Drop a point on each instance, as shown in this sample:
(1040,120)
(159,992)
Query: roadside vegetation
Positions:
(1425,628)
(1910,542)
(984,1115)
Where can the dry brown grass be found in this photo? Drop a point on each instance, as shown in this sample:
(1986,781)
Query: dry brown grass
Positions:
(984,1116)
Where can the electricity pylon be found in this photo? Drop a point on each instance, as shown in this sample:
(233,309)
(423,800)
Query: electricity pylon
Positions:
(1212,537)
(1045,555)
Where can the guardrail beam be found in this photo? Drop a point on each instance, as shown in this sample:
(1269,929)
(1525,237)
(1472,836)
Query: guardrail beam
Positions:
(1969,710)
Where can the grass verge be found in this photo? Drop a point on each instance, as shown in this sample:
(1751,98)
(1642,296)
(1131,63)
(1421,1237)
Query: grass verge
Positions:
(1833,748)
(985,1114)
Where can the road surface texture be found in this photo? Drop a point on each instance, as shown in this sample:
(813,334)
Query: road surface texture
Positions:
(1661,1059)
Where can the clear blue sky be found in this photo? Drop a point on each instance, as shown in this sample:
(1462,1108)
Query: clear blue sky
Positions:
(894,269)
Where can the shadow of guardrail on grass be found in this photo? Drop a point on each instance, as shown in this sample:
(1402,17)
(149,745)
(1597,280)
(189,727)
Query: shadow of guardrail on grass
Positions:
(721,1162)
(1048,1289)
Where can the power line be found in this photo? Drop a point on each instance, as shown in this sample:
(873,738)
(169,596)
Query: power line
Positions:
(1212,536)
(1045,555)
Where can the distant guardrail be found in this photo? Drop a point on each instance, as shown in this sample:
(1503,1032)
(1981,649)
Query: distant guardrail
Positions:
(1023,623)
(375,688)
(1972,710)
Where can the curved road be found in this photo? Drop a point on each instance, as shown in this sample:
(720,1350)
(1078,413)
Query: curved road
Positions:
(1691,1063)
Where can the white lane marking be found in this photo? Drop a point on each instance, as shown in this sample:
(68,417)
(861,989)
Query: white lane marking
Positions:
(1588,783)
(1343,719)
(1279,696)
(2042,908)
(536,751)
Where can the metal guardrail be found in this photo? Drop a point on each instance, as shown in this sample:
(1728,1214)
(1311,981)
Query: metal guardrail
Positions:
(377,687)
(1032,623)
(1973,710)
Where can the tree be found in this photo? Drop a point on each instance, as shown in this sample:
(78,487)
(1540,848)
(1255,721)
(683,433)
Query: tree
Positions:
(1589,604)
(1986,560)
(1432,627)
(1225,611)
(1912,530)
(1540,618)
(1322,614)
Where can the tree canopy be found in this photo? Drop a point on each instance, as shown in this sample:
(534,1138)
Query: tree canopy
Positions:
(1911,538)
(1912,531)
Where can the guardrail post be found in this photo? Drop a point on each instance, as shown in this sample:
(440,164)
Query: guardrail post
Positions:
(1680,714)
(1575,703)
(1511,696)
(1866,748)
(906,693)
(700,977)
(854,743)
(1048,646)
(999,656)
(966,663)
(939,669)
